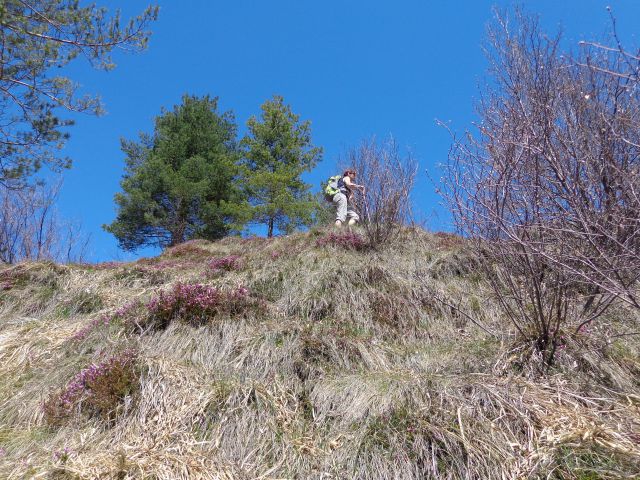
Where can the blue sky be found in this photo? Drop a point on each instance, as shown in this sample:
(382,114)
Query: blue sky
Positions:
(355,68)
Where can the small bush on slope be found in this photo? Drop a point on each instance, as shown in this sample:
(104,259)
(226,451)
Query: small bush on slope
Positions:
(96,390)
(128,314)
(197,304)
(347,240)
(225,264)
(82,302)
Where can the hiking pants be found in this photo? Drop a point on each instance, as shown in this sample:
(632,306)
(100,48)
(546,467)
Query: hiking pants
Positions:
(344,208)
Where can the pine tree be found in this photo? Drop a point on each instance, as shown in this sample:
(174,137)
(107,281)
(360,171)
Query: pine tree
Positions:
(38,38)
(181,182)
(277,151)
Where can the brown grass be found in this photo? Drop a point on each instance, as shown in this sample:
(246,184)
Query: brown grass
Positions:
(360,369)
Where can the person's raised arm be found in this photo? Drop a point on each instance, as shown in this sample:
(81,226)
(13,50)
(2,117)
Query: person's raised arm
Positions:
(350,184)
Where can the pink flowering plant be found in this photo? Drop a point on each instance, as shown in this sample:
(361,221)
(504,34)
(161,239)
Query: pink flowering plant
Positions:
(275,254)
(197,304)
(84,332)
(346,240)
(126,314)
(225,264)
(98,390)
(62,456)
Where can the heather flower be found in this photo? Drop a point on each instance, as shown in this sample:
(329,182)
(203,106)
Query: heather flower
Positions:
(62,455)
(122,313)
(231,262)
(584,329)
(346,240)
(96,389)
(196,304)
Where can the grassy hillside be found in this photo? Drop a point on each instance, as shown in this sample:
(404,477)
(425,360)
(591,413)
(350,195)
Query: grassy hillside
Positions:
(300,357)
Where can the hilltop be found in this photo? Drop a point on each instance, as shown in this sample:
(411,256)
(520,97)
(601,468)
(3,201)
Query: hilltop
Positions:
(306,356)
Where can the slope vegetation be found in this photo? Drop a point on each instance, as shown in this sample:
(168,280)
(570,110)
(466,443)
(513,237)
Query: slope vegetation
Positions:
(308,356)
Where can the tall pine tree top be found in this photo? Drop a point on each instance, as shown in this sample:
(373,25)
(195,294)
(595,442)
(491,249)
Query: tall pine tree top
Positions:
(38,38)
(181,182)
(277,150)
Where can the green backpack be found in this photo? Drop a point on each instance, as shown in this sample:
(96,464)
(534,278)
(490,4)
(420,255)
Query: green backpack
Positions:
(331,187)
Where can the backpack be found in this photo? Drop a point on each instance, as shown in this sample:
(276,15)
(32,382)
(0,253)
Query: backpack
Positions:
(331,187)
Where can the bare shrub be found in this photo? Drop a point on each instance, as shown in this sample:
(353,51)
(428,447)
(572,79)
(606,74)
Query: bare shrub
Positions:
(31,229)
(549,187)
(388,177)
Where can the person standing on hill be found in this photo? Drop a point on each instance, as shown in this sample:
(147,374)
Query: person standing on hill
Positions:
(343,199)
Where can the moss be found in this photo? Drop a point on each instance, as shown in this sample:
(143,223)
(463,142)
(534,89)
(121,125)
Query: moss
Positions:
(61,473)
(149,275)
(474,304)
(279,340)
(483,348)
(192,249)
(22,379)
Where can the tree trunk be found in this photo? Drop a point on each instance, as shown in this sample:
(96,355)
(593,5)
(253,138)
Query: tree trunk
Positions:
(270,232)
(177,234)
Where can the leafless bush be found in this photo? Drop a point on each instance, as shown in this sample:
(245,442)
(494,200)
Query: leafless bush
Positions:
(388,177)
(626,64)
(550,186)
(30,228)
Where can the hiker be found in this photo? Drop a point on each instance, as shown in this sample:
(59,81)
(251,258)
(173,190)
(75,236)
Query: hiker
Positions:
(340,192)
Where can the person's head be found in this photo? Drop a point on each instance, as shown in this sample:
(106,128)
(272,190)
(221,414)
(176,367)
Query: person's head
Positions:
(350,172)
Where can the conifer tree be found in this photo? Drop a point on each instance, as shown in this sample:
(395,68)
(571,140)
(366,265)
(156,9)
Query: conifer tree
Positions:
(277,151)
(181,182)
(38,38)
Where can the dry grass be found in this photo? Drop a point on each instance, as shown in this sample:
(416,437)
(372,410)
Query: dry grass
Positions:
(368,365)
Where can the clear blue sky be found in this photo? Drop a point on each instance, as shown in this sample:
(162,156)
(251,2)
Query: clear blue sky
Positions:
(355,68)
